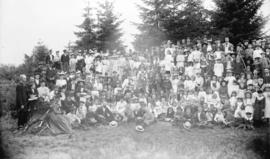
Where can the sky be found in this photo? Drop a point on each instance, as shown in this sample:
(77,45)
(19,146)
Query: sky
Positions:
(23,23)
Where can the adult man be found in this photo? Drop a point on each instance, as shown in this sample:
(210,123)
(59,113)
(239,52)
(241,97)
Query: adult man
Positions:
(65,61)
(21,101)
(57,61)
(49,58)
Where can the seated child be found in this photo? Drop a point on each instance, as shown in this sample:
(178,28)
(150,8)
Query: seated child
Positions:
(170,114)
(219,117)
(200,117)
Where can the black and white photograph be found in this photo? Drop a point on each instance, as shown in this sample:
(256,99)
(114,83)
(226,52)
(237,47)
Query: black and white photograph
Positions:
(134,79)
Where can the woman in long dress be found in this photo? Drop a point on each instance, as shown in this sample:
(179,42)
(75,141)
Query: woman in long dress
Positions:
(267,102)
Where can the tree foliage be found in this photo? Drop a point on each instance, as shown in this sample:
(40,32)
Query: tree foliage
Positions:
(86,35)
(171,19)
(152,30)
(102,32)
(109,32)
(31,62)
(238,19)
(189,19)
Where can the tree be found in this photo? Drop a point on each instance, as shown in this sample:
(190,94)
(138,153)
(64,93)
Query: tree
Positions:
(87,36)
(151,28)
(109,32)
(173,20)
(238,19)
(32,62)
(188,19)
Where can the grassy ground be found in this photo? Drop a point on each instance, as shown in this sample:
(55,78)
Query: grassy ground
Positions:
(159,141)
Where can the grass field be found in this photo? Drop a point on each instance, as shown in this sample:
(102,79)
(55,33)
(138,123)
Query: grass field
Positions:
(159,141)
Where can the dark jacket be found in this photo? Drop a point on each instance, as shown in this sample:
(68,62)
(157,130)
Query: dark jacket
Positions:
(65,58)
(21,95)
(49,59)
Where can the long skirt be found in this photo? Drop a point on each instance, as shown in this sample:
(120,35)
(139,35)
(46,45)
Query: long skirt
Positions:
(58,123)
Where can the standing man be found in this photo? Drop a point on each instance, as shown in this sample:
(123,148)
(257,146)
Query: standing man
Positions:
(57,61)
(227,46)
(65,61)
(50,58)
(21,101)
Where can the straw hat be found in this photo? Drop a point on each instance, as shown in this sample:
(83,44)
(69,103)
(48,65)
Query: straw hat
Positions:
(113,124)
(139,128)
(187,125)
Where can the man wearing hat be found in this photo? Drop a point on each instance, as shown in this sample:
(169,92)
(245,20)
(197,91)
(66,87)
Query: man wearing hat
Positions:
(57,61)
(49,58)
(65,61)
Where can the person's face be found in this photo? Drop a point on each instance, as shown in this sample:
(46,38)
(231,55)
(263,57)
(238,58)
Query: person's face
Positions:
(223,84)
(31,79)
(227,40)
(42,84)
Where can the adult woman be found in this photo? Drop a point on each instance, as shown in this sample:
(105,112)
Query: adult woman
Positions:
(267,102)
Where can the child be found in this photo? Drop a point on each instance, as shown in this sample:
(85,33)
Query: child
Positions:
(233,100)
(200,117)
(215,85)
(170,114)
(248,98)
(219,117)
(218,68)
(240,109)
(188,117)
(223,90)
(82,110)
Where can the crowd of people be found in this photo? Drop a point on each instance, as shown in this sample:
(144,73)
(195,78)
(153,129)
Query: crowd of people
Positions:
(192,83)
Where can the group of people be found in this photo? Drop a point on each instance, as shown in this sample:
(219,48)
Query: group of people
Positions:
(193,83)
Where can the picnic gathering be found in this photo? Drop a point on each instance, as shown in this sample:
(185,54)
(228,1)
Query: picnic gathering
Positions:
(189,83)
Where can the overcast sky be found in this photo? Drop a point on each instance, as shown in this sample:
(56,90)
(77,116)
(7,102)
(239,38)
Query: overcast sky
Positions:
(25,22)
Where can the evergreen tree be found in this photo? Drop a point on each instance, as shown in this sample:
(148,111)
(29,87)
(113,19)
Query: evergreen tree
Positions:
(109,32)
(31,62)
(87,36)
(238,19)
(152,31)
(188,19)
(40,52)
(173,20)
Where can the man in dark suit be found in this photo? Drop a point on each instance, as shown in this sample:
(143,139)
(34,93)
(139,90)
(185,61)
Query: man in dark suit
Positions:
(21,101)
(104,115)
(65,61)
(50,58)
